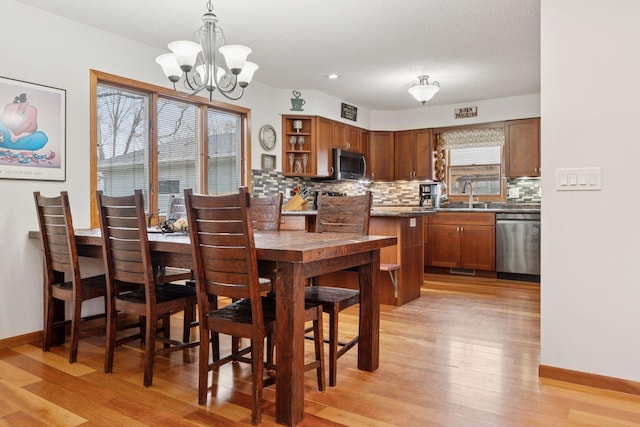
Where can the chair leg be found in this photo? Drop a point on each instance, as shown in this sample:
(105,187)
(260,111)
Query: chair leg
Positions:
(203,364)
(333,345)
(110,341)
(189,317)
(319,347)
(149,348)
(48,324)
(76,308)
(257,368)
(166,329)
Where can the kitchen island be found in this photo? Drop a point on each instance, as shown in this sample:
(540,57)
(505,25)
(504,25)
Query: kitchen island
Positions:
(406,223)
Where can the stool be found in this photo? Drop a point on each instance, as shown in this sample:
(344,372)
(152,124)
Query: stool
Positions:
(393,273)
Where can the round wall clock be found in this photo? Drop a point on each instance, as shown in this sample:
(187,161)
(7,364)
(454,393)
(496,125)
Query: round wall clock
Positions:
(267,137)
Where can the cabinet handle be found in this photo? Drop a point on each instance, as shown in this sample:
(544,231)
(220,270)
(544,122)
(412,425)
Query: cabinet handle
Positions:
(462,229)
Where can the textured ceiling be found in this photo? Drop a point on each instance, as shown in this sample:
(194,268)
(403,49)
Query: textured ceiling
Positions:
(476,49)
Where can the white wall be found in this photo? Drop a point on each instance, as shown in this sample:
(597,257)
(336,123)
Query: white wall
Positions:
(590,240)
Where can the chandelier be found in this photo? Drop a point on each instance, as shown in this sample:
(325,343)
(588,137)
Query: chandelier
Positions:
(209,64)
(424,90)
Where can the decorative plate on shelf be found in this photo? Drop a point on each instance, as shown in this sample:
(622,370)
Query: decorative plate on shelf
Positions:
(267,137)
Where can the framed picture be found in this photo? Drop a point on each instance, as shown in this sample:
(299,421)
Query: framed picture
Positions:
(268,162)
(32,131)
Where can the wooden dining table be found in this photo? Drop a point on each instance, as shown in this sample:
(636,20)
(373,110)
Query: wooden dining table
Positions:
(296,256)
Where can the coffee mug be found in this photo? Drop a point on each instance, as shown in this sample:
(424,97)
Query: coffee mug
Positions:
(296,104)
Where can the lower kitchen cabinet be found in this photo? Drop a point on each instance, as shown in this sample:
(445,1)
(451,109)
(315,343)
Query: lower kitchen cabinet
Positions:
(462,240)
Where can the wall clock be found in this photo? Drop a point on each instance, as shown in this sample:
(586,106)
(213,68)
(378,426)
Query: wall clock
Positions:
(267,137)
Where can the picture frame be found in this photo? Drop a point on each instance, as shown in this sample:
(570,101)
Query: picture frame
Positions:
(268,162)
(32,131)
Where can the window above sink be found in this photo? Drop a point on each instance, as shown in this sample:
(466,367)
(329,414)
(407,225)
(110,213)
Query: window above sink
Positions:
(474,156)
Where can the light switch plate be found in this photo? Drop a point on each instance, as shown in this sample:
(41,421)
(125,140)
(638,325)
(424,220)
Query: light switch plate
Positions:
(579,179)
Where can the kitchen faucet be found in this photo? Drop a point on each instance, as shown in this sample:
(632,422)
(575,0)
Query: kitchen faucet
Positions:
(464,186)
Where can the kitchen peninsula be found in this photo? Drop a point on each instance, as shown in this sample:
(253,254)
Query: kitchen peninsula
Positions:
(406,223)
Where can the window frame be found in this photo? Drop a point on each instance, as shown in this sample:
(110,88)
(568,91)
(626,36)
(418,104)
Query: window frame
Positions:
(154,91)
(482,198)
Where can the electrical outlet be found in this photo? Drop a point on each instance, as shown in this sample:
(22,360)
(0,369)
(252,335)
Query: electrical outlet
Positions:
(514,193)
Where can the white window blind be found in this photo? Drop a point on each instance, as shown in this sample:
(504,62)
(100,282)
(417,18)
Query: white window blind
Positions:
(224,151)
(475,156)
(123,141)
(178,130)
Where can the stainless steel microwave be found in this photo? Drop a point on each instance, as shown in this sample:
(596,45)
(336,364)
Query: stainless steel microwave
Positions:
(348,165)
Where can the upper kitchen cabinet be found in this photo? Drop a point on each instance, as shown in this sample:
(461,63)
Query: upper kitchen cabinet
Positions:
(381,149)
(413,151)
(522,148)
(346,137)
(306,146)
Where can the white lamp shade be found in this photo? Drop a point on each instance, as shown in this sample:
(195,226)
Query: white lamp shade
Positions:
(423,93)
(202,72)
(245,76)
(186,53)
(235,56)
(169,66)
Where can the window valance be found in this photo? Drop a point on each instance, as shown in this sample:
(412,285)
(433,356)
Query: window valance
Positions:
(470,138)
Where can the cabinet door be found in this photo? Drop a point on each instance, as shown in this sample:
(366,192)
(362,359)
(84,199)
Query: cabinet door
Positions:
(478,247)
(404,155)
(423,154)
(444,245)
(322,153)
(381,155)
(522,148)
(352,139)
(339,135)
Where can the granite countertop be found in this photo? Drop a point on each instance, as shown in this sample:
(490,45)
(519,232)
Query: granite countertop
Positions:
(412,211)
(398,211)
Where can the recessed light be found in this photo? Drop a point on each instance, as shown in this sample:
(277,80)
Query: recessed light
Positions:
(332,76)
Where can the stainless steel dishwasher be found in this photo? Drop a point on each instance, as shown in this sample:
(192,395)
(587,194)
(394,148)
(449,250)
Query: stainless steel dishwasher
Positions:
(518,244)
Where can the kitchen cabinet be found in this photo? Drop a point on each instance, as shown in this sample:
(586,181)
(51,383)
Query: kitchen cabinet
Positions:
(363,143)
(522,148)
(407,253)
(346,137)
(381,151)
(313,157)
(462,240)
(413,152)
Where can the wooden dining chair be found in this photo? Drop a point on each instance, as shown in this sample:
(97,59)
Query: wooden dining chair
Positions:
(348,214)
(225,265)
(127,256)
(266,212)
(60,258)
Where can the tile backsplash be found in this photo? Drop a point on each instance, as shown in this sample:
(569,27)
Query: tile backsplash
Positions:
(270,182)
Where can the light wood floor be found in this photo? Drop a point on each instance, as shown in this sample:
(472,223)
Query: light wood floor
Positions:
(465,354)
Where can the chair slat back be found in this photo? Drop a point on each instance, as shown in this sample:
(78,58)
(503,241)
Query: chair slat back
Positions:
(125,244)
(266,212)
(349,214)
(57,234)
(224,254)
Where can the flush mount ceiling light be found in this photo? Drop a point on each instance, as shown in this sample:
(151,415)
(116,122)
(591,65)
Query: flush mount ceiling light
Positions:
(424,90)
(208,64)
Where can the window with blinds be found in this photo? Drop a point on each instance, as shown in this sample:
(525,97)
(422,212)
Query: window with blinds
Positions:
(162,157)
(223,154)
(178,131)
(123,141)
(475,156)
